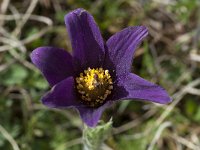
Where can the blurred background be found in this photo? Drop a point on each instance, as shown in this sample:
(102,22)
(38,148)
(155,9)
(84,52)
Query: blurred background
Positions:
(169,56)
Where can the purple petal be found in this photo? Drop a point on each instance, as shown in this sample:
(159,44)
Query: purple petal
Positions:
(54,63)
(138,88)
(86,39)
(62,95)
(91,116)
(121,47)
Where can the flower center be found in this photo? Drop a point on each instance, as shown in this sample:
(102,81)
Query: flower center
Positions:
(94,86)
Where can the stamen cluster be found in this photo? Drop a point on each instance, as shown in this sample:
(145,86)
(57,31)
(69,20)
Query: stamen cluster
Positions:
(94,86)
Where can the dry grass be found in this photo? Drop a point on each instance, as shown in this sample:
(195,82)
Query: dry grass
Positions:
(172,43)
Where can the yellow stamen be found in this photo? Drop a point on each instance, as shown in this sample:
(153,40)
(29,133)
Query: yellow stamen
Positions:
(94,86)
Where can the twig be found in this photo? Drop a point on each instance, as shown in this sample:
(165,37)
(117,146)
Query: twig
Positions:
(21,60)
(185,142)
(9,138)
(13,43)
(177,97)
(73,142)
(3,9)
(36,36)
(15,13)
(193,91)
(43,19)
(195,57)
(158,134)
(20,25)
(133,123)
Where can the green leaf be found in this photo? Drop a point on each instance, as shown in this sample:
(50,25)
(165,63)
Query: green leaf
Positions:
(15,75)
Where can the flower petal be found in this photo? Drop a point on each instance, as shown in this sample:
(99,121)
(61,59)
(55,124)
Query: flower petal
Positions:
(121,47)
(91,116)
(139,88)
(54,63)
(86,39)
(62,95)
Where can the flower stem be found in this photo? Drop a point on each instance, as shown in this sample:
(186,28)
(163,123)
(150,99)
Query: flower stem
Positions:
(93,138)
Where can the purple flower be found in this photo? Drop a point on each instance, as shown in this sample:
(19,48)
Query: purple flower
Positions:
(97,73)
